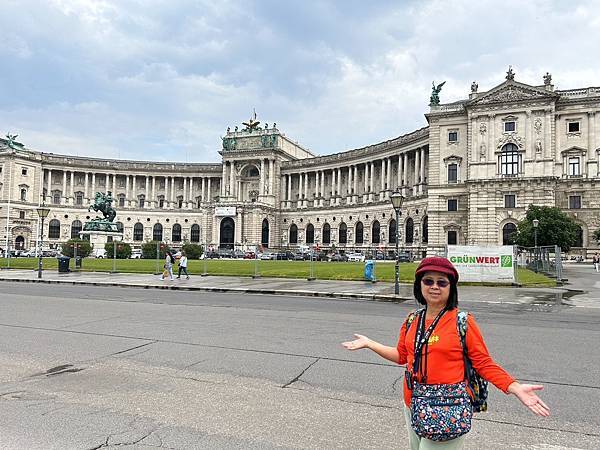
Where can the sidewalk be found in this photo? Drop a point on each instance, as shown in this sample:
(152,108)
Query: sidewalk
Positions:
(380,291)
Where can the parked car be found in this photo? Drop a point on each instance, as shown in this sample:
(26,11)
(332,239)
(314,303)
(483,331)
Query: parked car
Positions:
(265,256)
(404,257)
(238,254)
(298,256)
(98,253)
(136,254)
(49,253)
(249,255)
(338,257)
(224,253)
(356,257)
(211,254)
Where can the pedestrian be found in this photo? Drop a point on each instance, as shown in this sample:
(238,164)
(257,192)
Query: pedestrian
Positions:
(169,261)
(183,266)
(596,261)
(438,397)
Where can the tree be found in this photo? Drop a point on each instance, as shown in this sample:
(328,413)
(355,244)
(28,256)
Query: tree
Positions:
(597,235)
(193,251)
(123,250)
(555,228)
(83,248)
(149,250)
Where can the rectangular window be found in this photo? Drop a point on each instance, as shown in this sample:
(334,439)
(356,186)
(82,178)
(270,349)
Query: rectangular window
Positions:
(574,201)
(142,201)
(161,184)
(161,202)
(121,182)
(510,126)
(573,127)
(180,203)
(79,199)
(56,198)
(574,168)
(510,200)
(24,171)
(452,173)
(452,204)
(121,201)
(452,237)
(453,136)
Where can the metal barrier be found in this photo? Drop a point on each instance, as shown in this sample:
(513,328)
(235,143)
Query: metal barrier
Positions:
(545,259)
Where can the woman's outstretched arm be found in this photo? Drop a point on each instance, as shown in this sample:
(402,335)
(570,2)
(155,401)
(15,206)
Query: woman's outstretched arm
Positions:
(526,394)
(385,351)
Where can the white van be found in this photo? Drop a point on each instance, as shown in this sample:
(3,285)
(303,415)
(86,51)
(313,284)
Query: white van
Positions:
(98,253)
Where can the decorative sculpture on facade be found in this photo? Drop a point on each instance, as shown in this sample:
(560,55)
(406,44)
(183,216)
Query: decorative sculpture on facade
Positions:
(229,143)
(434,100)
(252,124)
(103,204)
(474,87)
(547,79)
(11,140)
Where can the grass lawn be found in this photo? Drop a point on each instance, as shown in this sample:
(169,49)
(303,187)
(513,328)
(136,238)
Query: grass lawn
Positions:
(384,271)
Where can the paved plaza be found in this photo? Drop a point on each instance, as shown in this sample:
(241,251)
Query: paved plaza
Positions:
(91,366)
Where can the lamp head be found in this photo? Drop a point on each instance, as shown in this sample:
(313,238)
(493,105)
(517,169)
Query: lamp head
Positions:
(535,223)
(43,211)
(397,198)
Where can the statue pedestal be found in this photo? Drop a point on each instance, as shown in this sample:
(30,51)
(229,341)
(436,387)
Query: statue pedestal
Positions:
(99,238)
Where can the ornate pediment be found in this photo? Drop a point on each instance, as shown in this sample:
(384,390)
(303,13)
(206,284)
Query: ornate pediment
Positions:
(510,138)
(512,91)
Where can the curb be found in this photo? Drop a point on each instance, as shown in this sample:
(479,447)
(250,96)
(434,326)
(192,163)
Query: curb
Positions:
(352,295)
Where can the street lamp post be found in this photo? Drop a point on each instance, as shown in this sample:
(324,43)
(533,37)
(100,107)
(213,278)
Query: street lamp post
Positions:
(43,212)
(396,198)
(536,223)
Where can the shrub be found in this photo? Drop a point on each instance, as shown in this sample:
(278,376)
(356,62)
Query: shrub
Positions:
(83,248)
(149,250)
(193,251)
(123,250)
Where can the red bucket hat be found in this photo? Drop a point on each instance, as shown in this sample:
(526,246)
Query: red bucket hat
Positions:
(437,264)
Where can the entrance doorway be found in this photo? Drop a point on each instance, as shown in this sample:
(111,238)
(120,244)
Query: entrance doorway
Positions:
(20,243)
(227,233)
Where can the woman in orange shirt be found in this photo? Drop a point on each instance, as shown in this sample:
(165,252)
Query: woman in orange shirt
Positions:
(440,362)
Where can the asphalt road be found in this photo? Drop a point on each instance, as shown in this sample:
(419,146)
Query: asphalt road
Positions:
(99,367)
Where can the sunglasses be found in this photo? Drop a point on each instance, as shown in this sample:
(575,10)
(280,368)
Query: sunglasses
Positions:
(440,283)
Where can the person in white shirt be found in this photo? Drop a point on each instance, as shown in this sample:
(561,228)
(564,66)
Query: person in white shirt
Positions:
(183,266)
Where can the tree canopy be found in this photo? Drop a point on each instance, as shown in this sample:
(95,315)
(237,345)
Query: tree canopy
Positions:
(555,228)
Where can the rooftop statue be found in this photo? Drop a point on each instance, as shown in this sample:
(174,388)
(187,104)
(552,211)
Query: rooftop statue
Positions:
(11,139)
(434,100)
(252,123)
(510,74)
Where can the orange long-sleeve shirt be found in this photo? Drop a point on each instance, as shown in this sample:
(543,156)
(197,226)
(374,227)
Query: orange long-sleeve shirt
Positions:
(445,364)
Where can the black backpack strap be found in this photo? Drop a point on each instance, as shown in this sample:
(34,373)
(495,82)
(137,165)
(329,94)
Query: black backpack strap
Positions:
(461,326)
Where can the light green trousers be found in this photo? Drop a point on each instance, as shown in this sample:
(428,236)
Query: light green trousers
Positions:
(419,443)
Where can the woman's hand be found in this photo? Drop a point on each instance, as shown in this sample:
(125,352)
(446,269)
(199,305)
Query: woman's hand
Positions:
(526,393)
(360,342)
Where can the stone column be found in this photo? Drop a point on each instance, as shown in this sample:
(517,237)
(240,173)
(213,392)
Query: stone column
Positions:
(49,188)
(208,197)
(399,175)
(126,190)
(71,189)
(404,172)
(321,202)
(64,188)
(422,174)
(114,185)
(224,179)
(288,203)
(305,189)
(349,185)
(232,179)
(382,180)
(261,183)
(355,183)
(153,195)
(93,184)
(271,177)
(389,177)
(172,192)
(185,193)
(85,189)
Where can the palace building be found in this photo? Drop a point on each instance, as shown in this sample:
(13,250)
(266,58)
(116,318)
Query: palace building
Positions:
(467,178)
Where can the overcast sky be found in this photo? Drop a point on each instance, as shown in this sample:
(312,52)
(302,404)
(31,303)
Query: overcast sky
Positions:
(163,79)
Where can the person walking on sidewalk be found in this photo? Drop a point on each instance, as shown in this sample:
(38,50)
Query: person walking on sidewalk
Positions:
(183,261)
(169,261)
(596,261)
(439,397)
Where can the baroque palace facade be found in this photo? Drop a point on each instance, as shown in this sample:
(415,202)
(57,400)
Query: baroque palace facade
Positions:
(467,178)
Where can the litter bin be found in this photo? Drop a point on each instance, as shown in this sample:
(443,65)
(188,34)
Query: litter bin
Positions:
(369,275)
(63,264)
(78,261)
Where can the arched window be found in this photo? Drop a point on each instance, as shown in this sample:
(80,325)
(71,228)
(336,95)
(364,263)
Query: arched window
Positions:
(375,232)
(176,233)
(392,231)
(293,234)
(54,229)
(409,230)
(343,233)
(264,235)
(119,226)
(508,234)
(138,232)
(425,229)
(75,229)
(359,233)
(327,233)
(157,232)
(310,233)
(579,238)
(510,160)
(195,233)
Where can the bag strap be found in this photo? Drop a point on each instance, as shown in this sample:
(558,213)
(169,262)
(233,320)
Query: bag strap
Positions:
(461,325)
(411,317)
